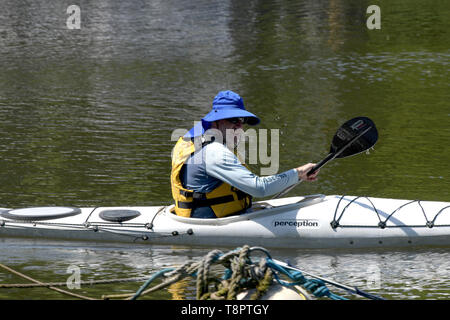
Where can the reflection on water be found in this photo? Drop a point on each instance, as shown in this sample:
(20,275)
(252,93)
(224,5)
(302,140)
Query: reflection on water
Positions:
(87,115)
(418,273)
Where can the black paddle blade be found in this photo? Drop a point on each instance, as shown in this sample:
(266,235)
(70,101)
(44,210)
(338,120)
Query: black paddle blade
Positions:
(353,137)
(359,126)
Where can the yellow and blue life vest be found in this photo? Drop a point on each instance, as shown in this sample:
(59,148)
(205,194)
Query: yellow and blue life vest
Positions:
(224,200)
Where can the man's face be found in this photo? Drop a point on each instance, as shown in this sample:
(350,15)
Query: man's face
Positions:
(230,130)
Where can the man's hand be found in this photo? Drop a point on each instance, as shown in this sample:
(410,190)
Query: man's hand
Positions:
(303,170)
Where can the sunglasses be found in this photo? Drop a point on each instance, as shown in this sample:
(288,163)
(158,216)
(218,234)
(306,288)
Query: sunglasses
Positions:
(238,120)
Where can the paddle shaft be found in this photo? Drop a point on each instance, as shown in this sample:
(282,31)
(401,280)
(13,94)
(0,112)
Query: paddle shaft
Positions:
(332,156)
(325,160)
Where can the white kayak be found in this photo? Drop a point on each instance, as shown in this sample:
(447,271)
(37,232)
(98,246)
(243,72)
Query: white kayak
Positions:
(315,221)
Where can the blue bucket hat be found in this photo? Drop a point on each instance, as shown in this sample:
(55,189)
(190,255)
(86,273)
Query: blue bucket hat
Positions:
(226,104)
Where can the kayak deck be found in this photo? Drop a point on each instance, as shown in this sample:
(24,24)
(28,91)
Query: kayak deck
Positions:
(315,221)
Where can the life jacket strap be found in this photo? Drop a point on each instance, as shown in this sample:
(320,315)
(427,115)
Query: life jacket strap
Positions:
(204,202)
(186,194)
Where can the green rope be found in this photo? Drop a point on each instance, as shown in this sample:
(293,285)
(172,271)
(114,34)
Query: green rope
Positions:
(238,268)
(150,280)
(263,285)
(315,286)
(240,274)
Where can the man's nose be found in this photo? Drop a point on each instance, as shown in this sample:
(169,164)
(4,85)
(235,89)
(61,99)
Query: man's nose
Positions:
(238,125)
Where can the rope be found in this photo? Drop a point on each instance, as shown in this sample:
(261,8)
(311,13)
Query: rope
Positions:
(147,283)
(43,284)
(315,286)
(62,284)
(238,269)
(203,272)
(240,274)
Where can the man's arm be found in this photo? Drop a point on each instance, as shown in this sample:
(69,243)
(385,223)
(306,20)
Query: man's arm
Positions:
(222,164)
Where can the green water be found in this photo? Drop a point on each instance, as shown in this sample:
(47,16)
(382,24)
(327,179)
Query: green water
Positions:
(86,115)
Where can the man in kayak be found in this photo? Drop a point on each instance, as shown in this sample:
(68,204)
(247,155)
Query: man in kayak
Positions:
(207,178)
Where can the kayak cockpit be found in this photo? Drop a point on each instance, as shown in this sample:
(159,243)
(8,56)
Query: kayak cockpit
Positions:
(258,210)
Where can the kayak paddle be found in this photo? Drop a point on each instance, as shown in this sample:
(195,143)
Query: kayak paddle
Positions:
(353,137)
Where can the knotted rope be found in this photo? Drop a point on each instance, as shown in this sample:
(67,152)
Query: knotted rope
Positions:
(240,274)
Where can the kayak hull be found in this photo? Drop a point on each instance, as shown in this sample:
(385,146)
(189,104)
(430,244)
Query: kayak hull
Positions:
(316,221)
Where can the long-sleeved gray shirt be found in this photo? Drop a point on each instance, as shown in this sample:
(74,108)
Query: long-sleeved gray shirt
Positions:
(215,163)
